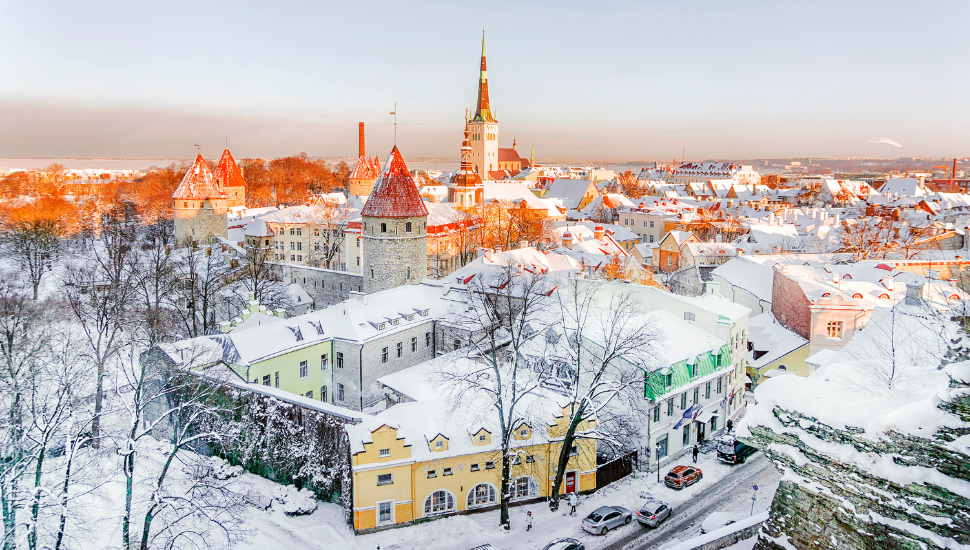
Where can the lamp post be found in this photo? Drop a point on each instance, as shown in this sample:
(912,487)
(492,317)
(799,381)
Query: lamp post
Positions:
(658,462)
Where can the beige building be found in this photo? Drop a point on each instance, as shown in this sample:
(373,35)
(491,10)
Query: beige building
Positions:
(200,207)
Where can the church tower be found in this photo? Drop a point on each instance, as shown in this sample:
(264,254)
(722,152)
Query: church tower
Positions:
(466,190)
(230,180)
(394,230)
(484,128)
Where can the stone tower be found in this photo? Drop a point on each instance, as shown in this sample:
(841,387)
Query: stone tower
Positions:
(200,206)
(230,180)
(483,128)
(394,231)
(366,171)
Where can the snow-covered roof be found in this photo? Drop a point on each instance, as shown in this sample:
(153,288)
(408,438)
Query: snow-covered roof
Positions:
(228,172)
(395,195)
(198,183)
(571,191)
(766,334)
(742,272)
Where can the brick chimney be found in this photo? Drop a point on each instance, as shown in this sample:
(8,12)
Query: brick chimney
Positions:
(360,140)
(598,233)
(567,240)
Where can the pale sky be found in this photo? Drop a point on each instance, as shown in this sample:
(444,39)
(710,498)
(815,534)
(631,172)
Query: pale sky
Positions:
(580,80)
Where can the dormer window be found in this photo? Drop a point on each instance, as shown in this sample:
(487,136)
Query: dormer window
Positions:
(395,321)
(482,438)
(523,432)
(439,444)
(380,326)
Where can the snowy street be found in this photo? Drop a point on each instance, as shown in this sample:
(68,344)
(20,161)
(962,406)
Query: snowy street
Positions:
(724,488)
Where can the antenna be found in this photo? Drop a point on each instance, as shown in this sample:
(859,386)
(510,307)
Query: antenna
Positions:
(394,112)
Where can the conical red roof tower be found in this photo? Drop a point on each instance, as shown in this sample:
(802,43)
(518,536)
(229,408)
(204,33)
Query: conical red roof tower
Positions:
(199,183)
(227,172)
(395,195)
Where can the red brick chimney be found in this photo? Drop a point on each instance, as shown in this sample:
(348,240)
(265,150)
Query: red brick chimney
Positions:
(360,126)
(953,173)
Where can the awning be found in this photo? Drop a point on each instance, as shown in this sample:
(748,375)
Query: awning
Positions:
(706,416)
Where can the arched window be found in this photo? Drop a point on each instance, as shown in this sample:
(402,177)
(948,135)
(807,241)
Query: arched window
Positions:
(782,367)
(525,487)
(439,502)
(482,494)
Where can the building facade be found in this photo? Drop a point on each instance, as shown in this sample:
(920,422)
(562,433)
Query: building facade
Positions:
(200,207)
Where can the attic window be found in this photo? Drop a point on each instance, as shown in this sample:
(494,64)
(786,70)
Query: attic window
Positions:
(380,326)
(432,473)
(482,438)
(423,312)
(857,296)
(489,465)
(409,317)
(847,276)
(688,316)
(439,444)
(883,296)
(385,452)
(395,321)
(826,295)
(296,332)
(475,467)
(446,472)
(524,432)
(318,326)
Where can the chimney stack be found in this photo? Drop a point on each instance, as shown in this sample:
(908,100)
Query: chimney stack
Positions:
(953,173)
(567,240)
(598,233)
(360,145)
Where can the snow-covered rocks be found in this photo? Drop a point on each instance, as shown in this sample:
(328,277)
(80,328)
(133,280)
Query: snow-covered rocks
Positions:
(222,470)
(294,502)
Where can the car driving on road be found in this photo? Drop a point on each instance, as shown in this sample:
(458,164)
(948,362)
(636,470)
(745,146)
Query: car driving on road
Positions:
(604,518)
(682,476)
(652,512)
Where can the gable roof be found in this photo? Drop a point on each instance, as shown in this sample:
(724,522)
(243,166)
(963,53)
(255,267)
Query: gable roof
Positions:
(198,183)
(366,169)
(395,195)
(228,172)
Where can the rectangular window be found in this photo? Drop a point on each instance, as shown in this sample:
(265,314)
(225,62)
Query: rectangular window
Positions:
(277,379)
(687,434)
(482,438)
(574,450)
(266,380)
(719,378)
(669,379)
(688,316)
(299,245)
(384,512)
(833,329)
(323,393)
(707,391)
(683,401)
(662,446)
(292,245)
(656,413)
(475,467)
(340,392)
(414,344)
(446,472)
(384,452)
(385,479)
(697,394)
(324,360)
(651,238)
(651,224)
(299,231)
(427,339)
(457,343)
(303,370)
(292,231)
(713,423)
(432,473)
(670,407)
(530,459)
(309,394)
(384,355)
(644,223)
(340,359)
(489,465)
(299,257)
(400,349)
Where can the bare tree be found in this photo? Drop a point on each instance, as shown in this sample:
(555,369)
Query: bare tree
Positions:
(325,234)
(608,345)
(509,309)
(865,238)
(173,402)
(200,275)
(34,240)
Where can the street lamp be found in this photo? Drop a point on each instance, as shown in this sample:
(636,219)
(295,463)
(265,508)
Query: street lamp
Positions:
(658,462)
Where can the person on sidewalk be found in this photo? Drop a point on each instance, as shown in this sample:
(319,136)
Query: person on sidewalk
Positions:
(573,501)
(528,521)
(696,450)
(730,425)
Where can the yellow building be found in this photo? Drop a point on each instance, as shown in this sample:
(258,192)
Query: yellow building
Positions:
(774,350)
(420,459)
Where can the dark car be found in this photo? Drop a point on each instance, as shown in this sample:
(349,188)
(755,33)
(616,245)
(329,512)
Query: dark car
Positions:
(652,512)
(732,451)
(564,544)
(682,476)
(604,518)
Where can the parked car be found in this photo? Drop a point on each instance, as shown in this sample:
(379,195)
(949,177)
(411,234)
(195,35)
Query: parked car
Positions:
(652,512)
(564,544)
(683,476)
(604,518)
(732,451)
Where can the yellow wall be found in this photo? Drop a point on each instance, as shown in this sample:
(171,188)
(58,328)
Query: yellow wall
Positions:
(794,362)
(411,482)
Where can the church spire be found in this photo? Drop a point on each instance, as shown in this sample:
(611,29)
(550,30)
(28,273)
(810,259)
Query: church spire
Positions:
(483,113)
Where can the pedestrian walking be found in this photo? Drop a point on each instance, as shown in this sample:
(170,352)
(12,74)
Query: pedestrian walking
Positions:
(573,501)
(730,425)
(528,521)
(696,450)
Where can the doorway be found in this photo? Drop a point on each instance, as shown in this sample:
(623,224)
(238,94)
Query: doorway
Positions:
(570,482)
(700,431)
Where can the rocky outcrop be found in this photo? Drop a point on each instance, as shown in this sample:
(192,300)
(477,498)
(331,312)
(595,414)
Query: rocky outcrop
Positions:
(884,472)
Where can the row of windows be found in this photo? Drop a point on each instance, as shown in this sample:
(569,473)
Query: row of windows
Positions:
(683,398)
(400,347)
(267,379)
(632,222)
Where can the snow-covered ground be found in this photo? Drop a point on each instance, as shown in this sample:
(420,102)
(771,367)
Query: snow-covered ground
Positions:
(325,528)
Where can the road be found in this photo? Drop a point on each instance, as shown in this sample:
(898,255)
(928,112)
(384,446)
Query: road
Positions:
(731,492)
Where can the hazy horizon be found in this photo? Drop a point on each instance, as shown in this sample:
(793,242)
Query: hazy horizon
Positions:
(614,83)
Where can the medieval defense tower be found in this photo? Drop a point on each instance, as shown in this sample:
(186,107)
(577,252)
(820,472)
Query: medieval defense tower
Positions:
(394,230)
(200,206)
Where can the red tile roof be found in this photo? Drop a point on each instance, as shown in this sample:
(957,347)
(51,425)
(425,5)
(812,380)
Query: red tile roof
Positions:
(198,183)
(395,195)
(366,169)
(506,154)
(228,171)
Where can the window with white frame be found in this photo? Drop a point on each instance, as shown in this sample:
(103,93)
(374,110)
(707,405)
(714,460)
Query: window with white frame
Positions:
(833,329)
(385,512)
(385,452)
(525,487)
(439,502)
(482,494)
(303,369)
(385,479)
